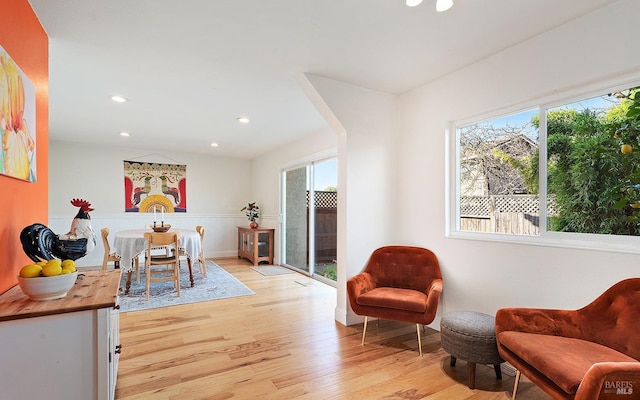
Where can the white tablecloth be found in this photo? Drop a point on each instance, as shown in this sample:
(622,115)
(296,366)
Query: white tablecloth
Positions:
(130,244)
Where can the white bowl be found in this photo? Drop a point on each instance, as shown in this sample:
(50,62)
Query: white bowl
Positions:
(43,288)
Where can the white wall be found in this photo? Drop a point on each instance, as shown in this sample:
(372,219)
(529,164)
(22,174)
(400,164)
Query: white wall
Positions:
(366,174)
(485,276)
(217,188)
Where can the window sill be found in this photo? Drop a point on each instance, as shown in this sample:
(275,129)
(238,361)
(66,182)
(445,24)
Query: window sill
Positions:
(608,243)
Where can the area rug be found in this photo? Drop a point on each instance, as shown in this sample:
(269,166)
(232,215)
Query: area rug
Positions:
(219,284)
(272,270)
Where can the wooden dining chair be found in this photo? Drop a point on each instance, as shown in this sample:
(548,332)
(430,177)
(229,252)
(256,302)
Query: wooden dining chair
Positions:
(165,249)
(108,255)
(171,270)
(200,257)
(155,250)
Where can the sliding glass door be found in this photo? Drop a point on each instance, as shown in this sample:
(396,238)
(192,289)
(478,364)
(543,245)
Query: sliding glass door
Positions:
(309,201)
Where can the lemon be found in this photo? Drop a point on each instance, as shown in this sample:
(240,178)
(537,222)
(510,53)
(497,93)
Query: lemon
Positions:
(626,148)
(65,271)
(42,263)
(51,269)
(54,261)
(30,271)
(69,265)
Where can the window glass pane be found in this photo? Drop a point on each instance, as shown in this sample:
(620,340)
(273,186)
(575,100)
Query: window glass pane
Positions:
(498,175)
(593,154)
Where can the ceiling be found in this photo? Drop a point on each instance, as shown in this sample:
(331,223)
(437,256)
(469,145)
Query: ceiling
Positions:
(191,67)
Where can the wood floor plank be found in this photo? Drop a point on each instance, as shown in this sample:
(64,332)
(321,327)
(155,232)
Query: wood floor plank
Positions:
(283,343)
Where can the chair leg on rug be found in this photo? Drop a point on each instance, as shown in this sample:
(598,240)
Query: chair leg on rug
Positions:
(364,330)
(203,265)
(190,271)
(128,285)
(136,262)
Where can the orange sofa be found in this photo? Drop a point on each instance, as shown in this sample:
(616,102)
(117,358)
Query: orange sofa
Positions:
(586,354)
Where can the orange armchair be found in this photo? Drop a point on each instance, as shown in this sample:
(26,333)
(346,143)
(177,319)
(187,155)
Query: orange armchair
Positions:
(586,354)
(400,283)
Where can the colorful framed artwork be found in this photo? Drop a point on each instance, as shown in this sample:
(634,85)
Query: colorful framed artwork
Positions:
(17,121)
(151,187)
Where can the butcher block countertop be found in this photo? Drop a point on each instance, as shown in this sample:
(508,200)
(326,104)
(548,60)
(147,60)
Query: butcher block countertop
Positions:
(92,290)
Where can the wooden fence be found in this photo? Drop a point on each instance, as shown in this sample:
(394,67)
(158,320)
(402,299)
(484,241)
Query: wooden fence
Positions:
(326,239)
(512,214)
(326,225)
(515,223)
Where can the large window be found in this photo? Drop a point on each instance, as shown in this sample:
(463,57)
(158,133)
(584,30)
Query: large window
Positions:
(498,189)
(572,167)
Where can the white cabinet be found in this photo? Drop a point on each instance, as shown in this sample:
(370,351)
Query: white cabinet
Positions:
(114,348)
(62,349)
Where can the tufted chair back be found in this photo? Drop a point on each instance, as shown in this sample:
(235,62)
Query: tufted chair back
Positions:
(403,267)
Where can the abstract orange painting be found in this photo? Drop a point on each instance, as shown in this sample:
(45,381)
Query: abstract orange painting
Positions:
(17,121)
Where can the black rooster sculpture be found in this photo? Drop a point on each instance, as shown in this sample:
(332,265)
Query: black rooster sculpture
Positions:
(40,243)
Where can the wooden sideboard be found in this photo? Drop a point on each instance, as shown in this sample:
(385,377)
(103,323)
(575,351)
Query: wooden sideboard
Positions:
(62,349)
(256,245)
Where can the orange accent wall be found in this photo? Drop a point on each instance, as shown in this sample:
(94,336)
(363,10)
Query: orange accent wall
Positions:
(23,203)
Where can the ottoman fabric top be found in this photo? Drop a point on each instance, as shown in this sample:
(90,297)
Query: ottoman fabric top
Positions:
(469,323)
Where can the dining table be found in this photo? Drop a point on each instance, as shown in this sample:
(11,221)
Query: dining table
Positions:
(130,244)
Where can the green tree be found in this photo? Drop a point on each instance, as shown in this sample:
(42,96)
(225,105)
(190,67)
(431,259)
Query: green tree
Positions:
(591,180)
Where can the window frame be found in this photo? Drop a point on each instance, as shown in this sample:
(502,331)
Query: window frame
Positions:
(590,241)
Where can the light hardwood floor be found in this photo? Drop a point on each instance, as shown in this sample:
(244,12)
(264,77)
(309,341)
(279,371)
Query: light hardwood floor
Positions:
(283,343)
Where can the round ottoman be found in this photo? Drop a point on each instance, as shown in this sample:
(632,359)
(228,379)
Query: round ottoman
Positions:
(470,336)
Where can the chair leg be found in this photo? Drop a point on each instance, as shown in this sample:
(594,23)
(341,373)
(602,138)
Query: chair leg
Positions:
(147,272)
(176,273)
(190,271)
(364,330)
(515,385)
(128,286)
(203,265)
(419,340)
(496,367)
(136,261)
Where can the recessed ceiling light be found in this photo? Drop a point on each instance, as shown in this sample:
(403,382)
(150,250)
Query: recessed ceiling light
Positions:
(119,99)
(125,134)
(413,3)
(214,144)
(243,120)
